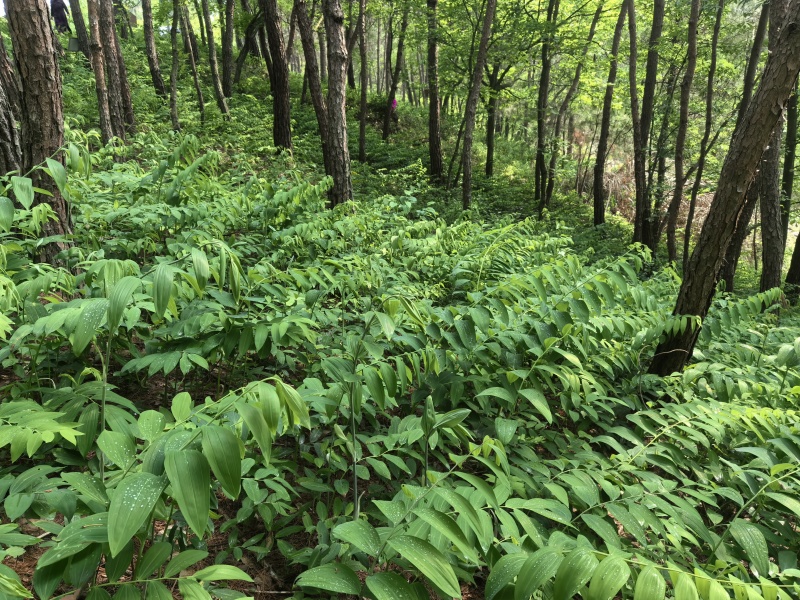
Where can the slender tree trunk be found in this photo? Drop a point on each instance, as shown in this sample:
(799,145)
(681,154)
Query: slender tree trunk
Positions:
(787,180)
(150,48)
(250,45)
(436,168)
(562,109)
(323,54)
(701,161)
(472,105)
(80,27)
(491,120)
(107,128)
(42,118)
(540,174)
(741,162)
(173,75)
(108,35)
(201,105)
(364,81)
(395,74)
(10,151)
(227,48)
(216,82)
(342,189)
(281,103)
(683,126)
(642,217)
(198,11)
(387,62)
(605,123)
(290,40)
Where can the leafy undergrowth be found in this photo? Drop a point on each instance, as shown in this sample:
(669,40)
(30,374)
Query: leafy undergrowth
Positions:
(384,403)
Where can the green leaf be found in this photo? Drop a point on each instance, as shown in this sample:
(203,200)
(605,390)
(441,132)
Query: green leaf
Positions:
(23,191)
(98,593)
(575,572)
(332,577)
(650,585)
(118,447)
(191,590)
(12,587)
(6,214)
(91,316)
(258,427)
(156,590)
(752,541)
(603,529)
(151,424)
(153,559)
(221,448)
(47,578)
(119,298)
(503,573)
(685,588)
(389,586)
(189,474)
(608,579)
(537,570)
(162,287)
(116,566)
(222,573)
(182,406)
(429,561)
(482,487)
(360,534)
(295,403)
(445,525)
(83,565)
(183,561)
(539,402)
(200,265)
(132,503)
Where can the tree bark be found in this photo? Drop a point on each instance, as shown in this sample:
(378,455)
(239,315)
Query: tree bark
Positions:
(342,189)
(201,23)
(10,151)
(150,48)
(216,82)
(227,49)
(598,185)
(173,74)
(472,105)
(746,148)
(683,126)
(42,132)
(491,118)
(80,27)
(107,127)
(436,168)
(281,103)
(201,105)
(787,180)
(395,74)
(116,90)
(364,81)
(642,216)
(9,81)
(540,173)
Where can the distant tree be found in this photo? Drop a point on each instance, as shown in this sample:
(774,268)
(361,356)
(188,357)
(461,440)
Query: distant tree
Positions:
(108,127)
(150,48)
(281,102)
(227,48)
(434,103)
(80,27)
(216,82)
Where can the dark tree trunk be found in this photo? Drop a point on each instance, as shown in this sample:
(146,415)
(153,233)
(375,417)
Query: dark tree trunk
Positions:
(436,168)
(201,105)
(190,44)
(642,217)
(281,103)
(42,120)
(216,82)
(108,38)
(10,151)
(107,128)
(701,161)
(250,44)
(290,40)
(150,48)
(683,126)
(395,75)
(323,53)
(491,119)
(540,167)
(342,189)
(744,154)
(787,180)
(472,105)
(201,22)
(734,250)
(364,81)
(173,74)
(562,109)
(9,81)
(387,61)
(598,186)
(227,49)
(80,27)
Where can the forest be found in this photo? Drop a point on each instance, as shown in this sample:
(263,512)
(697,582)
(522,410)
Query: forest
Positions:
(476,299)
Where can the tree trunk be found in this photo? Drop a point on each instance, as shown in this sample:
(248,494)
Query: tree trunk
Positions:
(744,154)
(395,75)
(216,82)
(201,22)
(787,181)
(598,185)
(701,161)
(108,38)
(491,119)
(80,27)
(540,173)
(42,132)
(436,168)
(227,48)
(10,151)
(173,75)
(342,189)
(387,62)
(364,82)
(107,127)
(683,126)
(10,82)
(472,105)
(201,105)
(281,103)
(250,44)
(642,216)
(150,48)
(323,54)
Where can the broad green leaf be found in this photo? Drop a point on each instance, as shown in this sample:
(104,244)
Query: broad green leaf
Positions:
(12,587)
(191,590)
(574,572)
(47,578)
(118,447)
(83,565)
(503,573)
(6,214)
(539,402)
(155,557)
(23,190)
(650,585)
(445,525)
(221,573)
(685,589)
(151,424)
(537,570)
(91,316)
(389,586)
(429,561)
(608,579)
(752,541)
(183,561)
(221,448)
(482,487)
(58,173)
(603,529)
(295,403)
(162,287)
(60,552)
(182,406)
(133,501)
(258,427)
(155,590)
(360,534)
(189,474)
(117,566)
(200,265)
(119,298)
(332,577)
